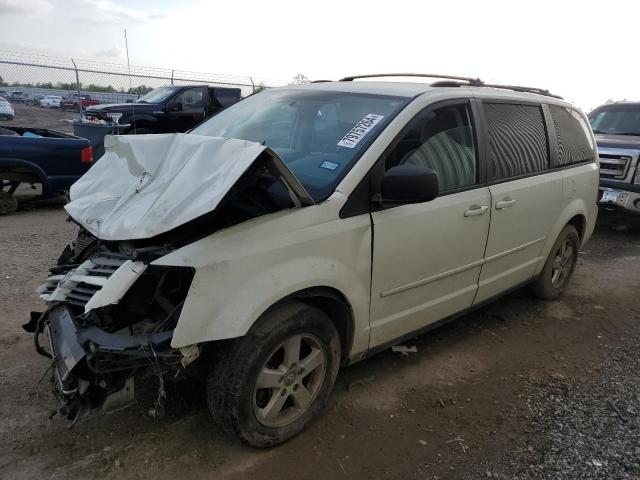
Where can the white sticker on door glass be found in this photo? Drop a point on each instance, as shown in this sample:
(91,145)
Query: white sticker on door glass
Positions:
(360,130)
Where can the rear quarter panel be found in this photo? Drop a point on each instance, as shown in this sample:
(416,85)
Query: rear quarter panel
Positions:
(57,158)
(579,197)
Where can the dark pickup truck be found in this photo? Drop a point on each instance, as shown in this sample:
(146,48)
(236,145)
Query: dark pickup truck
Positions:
(38,156)
(617,130)
(175,108)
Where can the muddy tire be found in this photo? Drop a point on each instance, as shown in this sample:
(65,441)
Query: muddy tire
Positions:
(559,266)
(8,203)
(267,386)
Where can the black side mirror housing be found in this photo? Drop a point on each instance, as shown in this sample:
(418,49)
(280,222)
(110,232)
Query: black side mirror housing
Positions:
(409,184)
(174,106)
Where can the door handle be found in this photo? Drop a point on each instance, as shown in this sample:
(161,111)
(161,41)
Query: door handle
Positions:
(476,210)
(505,203)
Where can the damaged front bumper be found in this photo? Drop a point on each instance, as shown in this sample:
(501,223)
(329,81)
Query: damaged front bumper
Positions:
(109,323)
(93,368)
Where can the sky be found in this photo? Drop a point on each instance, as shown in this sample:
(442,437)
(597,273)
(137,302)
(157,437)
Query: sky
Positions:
(582,50)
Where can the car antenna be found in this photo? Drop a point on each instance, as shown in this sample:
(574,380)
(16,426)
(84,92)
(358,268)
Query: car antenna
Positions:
(133,104)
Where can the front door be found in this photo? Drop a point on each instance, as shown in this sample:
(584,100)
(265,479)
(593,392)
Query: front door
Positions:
(186,110)
(427,256)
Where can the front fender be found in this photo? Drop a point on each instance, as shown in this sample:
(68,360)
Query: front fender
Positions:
(242,271)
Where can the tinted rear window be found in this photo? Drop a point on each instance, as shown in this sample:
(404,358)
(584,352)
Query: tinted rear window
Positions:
(574,138)
(517,139)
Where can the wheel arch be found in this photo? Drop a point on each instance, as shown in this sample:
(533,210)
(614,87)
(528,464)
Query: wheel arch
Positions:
(580,222)
(575,213)
(26,171)
(330,301)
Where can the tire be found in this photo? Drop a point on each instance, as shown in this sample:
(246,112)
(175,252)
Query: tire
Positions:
(8,203)
(559,266)
(268,416)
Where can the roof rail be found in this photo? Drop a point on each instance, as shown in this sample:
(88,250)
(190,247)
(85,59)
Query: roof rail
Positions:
(517,88)
(454,81)
(426,75)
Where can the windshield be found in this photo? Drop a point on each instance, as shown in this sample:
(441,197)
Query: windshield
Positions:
(157,95)
(318,134)
(616,120)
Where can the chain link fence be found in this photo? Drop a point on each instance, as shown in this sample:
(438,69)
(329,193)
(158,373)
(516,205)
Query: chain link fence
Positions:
(38,75)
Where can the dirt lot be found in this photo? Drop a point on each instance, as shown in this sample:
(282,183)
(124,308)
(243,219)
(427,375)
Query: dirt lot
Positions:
(30,116)
(520,389)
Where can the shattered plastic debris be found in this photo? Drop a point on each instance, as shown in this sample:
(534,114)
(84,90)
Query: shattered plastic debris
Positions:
(404,349)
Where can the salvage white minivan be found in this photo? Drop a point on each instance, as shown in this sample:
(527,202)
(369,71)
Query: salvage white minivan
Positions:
(303,229)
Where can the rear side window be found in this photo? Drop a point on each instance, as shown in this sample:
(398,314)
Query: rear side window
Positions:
(574,139)
(517,139)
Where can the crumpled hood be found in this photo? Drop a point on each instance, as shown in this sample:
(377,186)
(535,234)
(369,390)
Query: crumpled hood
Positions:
(145,185)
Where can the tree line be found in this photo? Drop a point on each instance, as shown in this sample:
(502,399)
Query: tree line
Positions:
(139,90)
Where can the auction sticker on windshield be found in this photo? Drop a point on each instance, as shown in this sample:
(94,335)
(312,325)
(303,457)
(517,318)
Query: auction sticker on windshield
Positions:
(360,130)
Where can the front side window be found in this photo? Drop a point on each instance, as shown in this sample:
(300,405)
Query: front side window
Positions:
(190,101)
(318,134)
(442,140)
(616,120)
(572,133)
(518,142)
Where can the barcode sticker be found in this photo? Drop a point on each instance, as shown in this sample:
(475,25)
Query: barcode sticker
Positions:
(359,131)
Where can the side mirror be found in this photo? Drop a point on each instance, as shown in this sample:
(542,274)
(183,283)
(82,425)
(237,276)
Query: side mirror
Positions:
(409,184)
(174,107)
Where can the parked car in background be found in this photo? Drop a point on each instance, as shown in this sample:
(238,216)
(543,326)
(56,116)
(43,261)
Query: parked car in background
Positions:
(17,96)
(4,94)
(73,102)
(52,159)
(175,108)
(6,110)
(34,100)
(617,130)
(51,101)
(352,214)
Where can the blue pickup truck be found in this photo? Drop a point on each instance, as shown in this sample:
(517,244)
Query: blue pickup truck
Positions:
(39,156)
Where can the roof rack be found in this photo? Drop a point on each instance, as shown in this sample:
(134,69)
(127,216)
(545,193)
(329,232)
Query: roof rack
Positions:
(426,75)
(454,81)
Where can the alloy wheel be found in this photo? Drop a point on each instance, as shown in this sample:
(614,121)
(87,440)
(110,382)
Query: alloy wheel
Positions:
(289,381)
(562,264)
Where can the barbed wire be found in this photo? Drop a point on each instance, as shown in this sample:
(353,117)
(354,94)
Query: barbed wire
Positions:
(39,74)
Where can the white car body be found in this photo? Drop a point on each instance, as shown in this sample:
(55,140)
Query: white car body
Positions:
(6,110)
(51,101)
(397,290)
(398,268)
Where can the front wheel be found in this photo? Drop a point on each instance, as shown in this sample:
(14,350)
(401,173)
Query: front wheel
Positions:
(559,266)
(270,384)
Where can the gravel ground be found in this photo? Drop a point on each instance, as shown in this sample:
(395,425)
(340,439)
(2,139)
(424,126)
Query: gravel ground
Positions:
(36,117)
(585,427)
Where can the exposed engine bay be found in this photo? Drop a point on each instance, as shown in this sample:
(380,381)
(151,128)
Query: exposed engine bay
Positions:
(111,313)
(97,350)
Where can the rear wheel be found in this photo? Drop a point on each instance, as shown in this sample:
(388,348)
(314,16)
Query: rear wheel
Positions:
(268,385)
(8,203)
(559,266)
